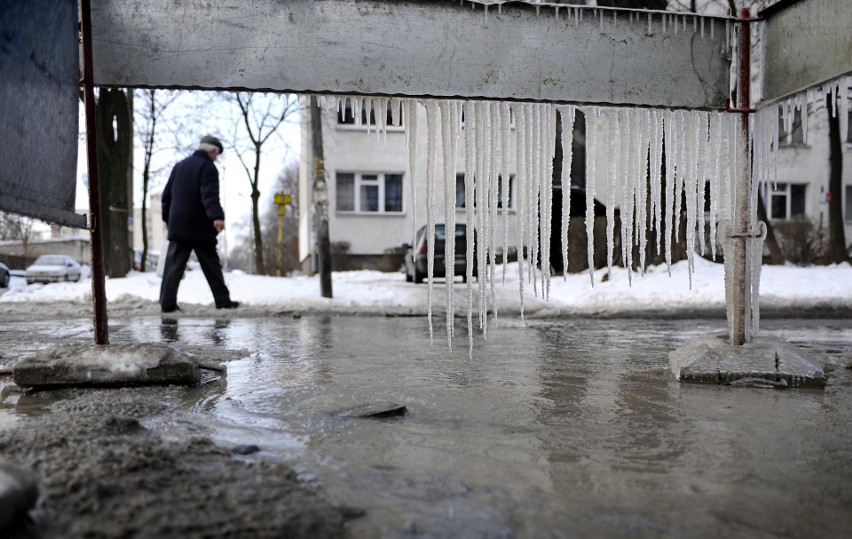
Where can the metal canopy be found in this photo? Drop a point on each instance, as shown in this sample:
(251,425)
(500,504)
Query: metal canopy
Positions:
(412,48)
(808,42)
(39,89)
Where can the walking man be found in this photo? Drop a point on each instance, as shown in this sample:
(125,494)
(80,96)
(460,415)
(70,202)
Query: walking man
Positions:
(194,217)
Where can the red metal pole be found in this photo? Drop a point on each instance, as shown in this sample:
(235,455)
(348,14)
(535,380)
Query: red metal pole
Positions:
(98,278)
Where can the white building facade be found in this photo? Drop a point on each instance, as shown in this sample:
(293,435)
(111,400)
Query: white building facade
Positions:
(369,178)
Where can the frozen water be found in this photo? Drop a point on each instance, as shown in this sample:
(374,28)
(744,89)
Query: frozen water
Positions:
(656,166)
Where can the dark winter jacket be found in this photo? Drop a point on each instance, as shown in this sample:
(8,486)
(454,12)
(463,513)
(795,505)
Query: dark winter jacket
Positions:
(191,200)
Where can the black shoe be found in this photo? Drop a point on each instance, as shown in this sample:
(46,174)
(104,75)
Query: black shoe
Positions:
(170,309)
(229,305)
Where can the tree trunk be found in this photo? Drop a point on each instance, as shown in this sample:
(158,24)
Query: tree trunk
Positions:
(115,142)
(836,233)
(259,265)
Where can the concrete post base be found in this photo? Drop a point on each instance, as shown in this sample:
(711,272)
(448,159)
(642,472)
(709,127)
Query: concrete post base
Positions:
(764,362)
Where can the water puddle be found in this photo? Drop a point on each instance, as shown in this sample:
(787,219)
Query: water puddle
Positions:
(552,428)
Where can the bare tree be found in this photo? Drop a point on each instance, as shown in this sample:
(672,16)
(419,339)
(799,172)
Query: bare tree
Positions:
(17,227)
(150,116)
(260,118)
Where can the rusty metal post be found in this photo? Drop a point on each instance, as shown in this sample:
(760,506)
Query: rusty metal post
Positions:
(740,295)
(98,278)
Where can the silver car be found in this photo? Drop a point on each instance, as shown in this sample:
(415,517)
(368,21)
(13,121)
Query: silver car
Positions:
(53,268)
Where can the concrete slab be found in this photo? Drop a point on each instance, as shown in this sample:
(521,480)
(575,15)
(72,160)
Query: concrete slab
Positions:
(764,362)
(18,494)
(87,365)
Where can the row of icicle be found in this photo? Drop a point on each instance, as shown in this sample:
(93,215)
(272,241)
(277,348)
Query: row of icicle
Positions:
(652,164)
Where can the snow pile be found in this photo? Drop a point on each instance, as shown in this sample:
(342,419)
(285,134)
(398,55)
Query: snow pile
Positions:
(785,287)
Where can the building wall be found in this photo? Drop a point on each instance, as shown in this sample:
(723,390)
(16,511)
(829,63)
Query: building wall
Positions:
(154,223)
(808,164)
(354,149)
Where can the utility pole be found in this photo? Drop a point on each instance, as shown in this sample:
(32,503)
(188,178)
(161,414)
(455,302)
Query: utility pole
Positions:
(281,200)
(320,192)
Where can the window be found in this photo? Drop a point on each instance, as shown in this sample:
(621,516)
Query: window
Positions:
(346,114)
(460,191)
(368,193)
(849,131)
(796,135)
(848,201)
(786,200)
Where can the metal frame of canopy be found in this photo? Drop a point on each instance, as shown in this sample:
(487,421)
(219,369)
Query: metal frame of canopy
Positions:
(276,46)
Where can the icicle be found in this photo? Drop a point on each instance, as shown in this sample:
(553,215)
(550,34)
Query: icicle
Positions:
(531,195)
(712,30)
(535,183)
(592,118)
(521,180)
(567,114)
(702,27)
(449,212)
(431,163)
(714,158)
(630,147)
(702,119)
(642,218)
(650,20)
(680,167)
(655,175)
(505,133)
(613,134)
(469,170)
(480,180)
(689,181)
(620,178)
(669,186)
(411,135)
(494,138)
(550,147)
(381,119)
(395,105)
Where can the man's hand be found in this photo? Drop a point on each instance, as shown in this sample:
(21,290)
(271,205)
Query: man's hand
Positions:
(219,225)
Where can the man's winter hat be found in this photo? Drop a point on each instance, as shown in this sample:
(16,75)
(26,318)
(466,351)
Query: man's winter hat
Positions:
(208,139)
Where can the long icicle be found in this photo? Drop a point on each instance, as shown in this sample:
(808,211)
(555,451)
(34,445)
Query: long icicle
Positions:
(469,167)
(449,213)
(592,120)
(431,163)
(566,113)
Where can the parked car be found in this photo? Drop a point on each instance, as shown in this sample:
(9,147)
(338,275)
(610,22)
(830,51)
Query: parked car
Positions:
(4,275)
(151,260)
(416,257)
(53,268)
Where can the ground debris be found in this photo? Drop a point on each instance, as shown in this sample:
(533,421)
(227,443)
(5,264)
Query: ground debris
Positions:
(104,474)
(373,410)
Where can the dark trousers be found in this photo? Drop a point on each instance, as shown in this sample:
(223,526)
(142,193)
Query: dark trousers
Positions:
(176,259)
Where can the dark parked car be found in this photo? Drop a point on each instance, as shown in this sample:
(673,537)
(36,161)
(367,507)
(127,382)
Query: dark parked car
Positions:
(4,275)
(416,258)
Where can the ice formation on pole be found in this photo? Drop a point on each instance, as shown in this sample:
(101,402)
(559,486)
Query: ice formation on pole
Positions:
(671,174)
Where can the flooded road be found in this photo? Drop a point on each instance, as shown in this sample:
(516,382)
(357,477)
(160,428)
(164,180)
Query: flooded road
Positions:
(570,428)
